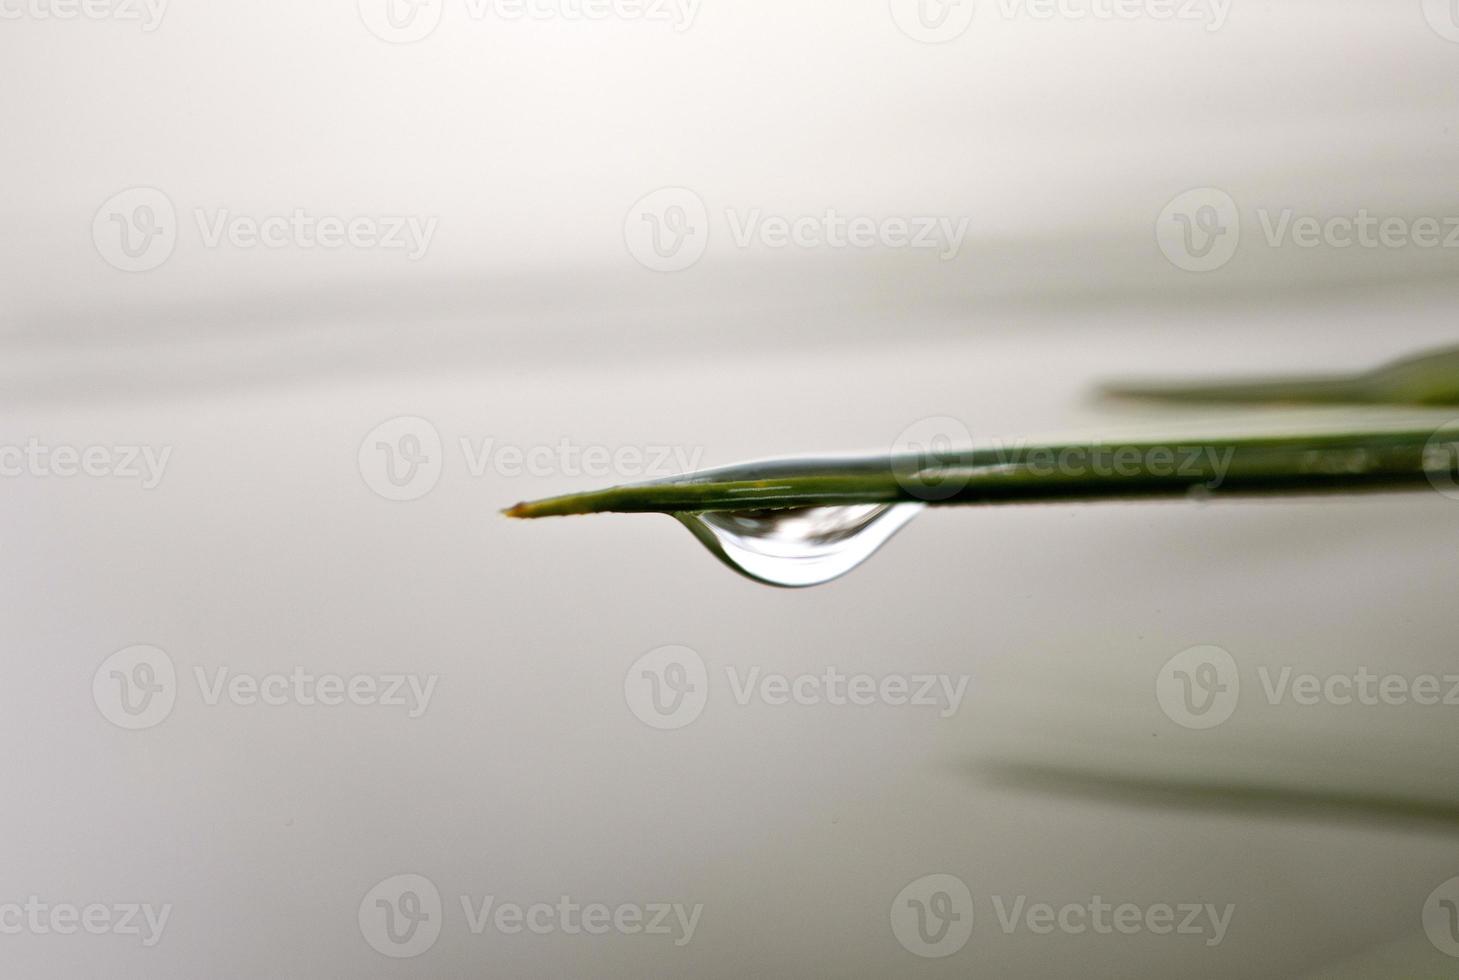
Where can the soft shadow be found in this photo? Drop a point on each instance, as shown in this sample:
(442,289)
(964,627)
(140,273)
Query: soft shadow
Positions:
(1246,799)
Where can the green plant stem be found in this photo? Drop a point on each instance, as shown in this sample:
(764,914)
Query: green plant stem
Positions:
(1430,378)
(1301,390)
(1328,463)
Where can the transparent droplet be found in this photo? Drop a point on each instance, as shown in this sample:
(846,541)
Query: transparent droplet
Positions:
(799,546)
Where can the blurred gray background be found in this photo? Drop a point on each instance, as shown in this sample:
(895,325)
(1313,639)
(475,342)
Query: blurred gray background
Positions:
(538,315)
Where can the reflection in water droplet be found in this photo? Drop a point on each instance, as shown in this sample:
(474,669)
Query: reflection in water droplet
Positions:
(800,546)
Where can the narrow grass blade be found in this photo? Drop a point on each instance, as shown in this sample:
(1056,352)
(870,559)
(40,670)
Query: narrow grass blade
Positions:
(1430,378)
(1319,463)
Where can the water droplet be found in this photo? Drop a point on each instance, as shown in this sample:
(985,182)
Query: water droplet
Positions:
(796,547)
